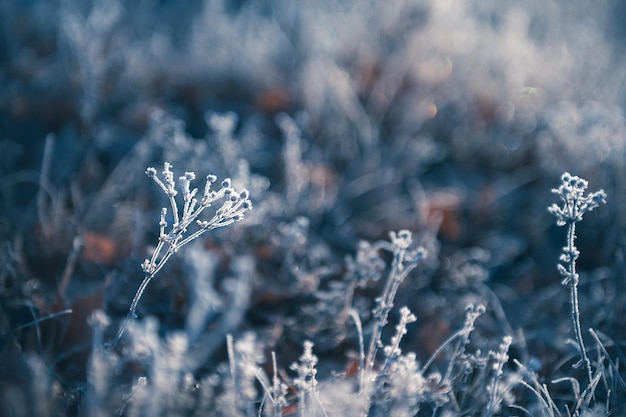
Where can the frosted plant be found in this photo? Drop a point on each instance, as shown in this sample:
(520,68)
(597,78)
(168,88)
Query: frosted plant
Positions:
(499,359)
(138,390)
(306,381)
(365,267)
(244,356)
(166,375)
(407,386)
(392,351)
(396,369)
(404,260)
(233,206)
(539,390)
(223,126)
(279,390)
(460,360)
(574,205)
(237,291)
(92,41)
(100,364)
(205,302)
(295,170)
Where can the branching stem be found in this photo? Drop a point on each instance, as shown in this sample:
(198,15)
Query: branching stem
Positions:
(233,207)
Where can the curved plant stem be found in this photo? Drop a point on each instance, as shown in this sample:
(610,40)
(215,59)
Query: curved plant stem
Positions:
(142,287)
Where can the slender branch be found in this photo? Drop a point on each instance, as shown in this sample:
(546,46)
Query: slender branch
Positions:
(571,235)
(44,218)
(133,307)
(404,261)
(357,322)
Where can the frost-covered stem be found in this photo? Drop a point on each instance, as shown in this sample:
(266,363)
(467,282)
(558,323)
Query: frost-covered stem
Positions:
(365,267)
(42,213)
(302,404)
(574,205)
(306,381)
(404,261)
(276,387)
(357,322)
(347,304)
(393,351)
(573,283)
(174,212)
(501,357)
(441,348)
(146,280)
(141,382)
(133,307)
(231,360)
(77,245)
(472,313)
(386,304)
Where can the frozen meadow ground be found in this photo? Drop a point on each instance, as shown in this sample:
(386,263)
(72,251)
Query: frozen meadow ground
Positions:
(379,242)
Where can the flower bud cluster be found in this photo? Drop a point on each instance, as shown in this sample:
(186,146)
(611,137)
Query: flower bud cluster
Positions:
(574,201)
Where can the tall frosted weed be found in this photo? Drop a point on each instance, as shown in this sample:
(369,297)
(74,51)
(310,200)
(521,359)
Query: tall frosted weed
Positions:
(574,204)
